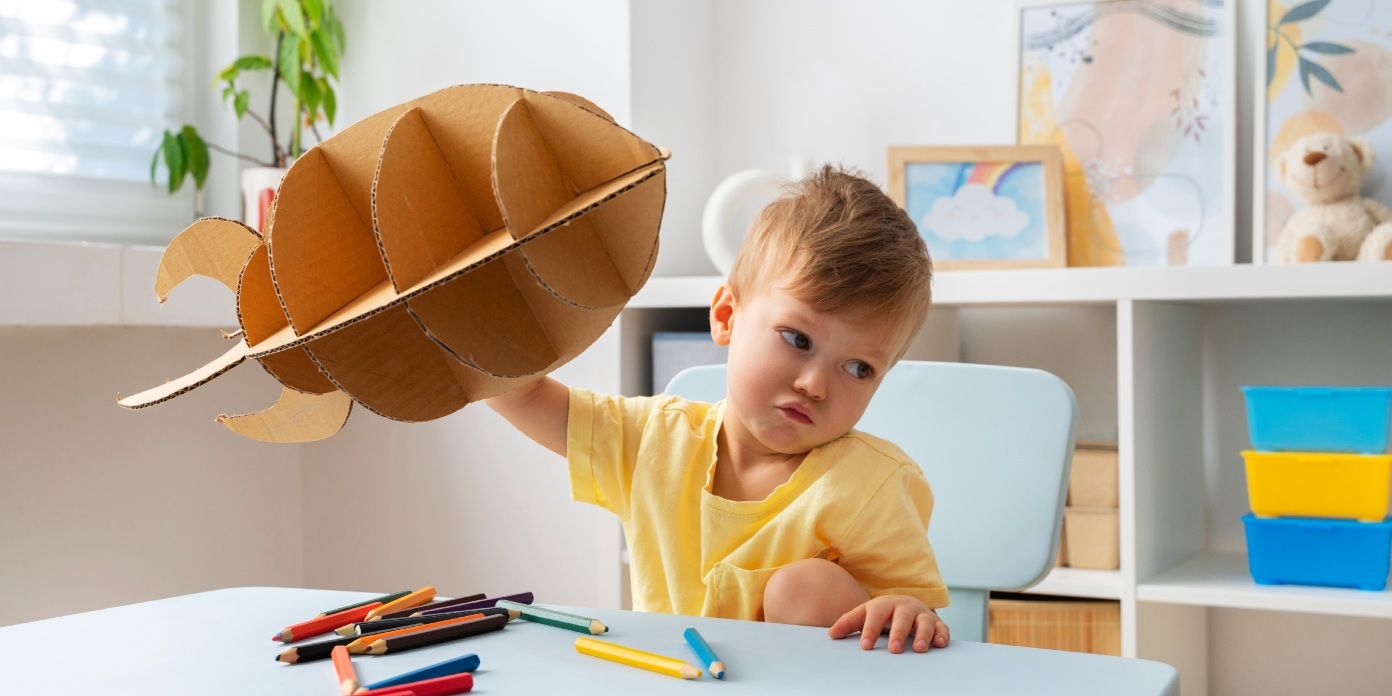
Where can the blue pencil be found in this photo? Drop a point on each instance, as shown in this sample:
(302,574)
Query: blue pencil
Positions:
(704,653)
(466,663)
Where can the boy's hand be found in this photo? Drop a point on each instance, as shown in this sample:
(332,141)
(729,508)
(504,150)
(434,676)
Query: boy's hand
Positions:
(900,614)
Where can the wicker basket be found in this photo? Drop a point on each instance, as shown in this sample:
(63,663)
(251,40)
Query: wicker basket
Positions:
(1077,626)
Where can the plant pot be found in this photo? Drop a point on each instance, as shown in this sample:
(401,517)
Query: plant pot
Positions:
(259,185)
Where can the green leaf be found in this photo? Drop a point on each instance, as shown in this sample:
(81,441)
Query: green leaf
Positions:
(228,91)
(1331,49)
(1320,74)
(315,10)
(293,14)
(268,16)
(253,63)
(1271,64)
(290,62)
(335,27)
(1302,12)
(154,163)
(330,102)
(326,51)
(309,94)
(198,162)
(242,102)
(174,159)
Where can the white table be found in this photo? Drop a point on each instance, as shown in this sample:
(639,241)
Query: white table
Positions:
(219,642)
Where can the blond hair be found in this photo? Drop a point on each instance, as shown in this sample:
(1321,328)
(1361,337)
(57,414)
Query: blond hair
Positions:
(839,244)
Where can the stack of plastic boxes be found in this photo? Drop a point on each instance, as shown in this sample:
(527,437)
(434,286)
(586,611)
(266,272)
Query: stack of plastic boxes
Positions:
(1318,482)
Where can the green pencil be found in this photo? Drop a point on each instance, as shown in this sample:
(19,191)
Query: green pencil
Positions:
(383,599)
(559,619)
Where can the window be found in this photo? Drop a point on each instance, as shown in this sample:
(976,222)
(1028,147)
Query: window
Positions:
(87,87)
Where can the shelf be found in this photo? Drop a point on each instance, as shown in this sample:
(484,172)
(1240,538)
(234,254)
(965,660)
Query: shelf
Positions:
(1100,285)
(1222,580)
(1080,582)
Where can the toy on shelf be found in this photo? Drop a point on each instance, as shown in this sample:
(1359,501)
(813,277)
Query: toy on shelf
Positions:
(1325,171)
(1320,507)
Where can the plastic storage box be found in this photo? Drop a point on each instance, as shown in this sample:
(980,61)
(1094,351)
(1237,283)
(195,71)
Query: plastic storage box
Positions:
(1317,484)
(1305,551)
(1319,419)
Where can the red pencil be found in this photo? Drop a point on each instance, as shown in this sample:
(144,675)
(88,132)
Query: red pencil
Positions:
(439,686)
(343,667)
(324,624)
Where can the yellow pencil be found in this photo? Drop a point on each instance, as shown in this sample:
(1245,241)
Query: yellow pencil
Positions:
(415,599)
(669,666)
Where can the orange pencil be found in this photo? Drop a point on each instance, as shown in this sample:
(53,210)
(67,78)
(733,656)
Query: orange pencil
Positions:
(343,666)
(359,646)
(415,599)
(324,624)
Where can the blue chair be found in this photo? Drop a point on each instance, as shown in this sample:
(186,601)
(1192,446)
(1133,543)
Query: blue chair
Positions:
(996,444)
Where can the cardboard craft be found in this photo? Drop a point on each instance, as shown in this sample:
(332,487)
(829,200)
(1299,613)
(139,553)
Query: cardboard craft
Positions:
(436,253)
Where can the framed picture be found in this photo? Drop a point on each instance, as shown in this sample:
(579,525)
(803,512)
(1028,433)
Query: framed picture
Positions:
(983,207)
(1140,97)
(1325,66)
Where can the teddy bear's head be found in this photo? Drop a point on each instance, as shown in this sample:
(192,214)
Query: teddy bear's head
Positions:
(1326,167)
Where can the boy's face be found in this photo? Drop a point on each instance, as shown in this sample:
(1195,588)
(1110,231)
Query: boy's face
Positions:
(798,378)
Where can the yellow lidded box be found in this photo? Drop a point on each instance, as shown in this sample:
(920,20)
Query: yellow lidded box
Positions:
(1319,484)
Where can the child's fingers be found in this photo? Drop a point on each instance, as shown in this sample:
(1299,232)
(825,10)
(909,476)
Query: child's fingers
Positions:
(926,627)
(941,636)
(877,616)
(849,623)
(902,622)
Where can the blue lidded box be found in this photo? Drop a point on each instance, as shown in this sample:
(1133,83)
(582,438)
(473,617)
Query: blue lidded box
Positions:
(1319,419)
(1314,551)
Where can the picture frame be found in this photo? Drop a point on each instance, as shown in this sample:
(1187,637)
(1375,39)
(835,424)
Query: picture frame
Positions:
(1141,99)
(1349,46)
(983,207)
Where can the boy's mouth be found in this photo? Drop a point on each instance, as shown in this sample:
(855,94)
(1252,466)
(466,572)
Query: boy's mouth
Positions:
(796,414)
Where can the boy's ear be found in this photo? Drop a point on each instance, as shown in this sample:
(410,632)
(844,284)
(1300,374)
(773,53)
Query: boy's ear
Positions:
(722,315)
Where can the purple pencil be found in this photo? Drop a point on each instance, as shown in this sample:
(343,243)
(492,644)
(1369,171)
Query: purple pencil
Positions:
(523,598)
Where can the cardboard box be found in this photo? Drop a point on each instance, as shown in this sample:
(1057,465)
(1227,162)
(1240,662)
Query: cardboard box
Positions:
(1093,481)
(1074,625)
(434,254)
(1094,537)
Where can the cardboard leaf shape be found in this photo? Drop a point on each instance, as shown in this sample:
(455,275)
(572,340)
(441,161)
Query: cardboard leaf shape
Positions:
(436,253)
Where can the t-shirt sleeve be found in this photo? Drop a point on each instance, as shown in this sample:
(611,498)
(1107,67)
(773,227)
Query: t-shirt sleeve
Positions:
(886,548)
(603,433)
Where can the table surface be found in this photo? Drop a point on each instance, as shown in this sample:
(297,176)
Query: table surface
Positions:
(219,642)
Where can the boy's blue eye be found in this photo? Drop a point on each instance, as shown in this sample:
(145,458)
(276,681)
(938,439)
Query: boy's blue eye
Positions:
(796,339)
(859,370)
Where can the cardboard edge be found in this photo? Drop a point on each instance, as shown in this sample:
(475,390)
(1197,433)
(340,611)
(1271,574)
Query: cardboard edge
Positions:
(582,103)
(295,417)
(188,382)
(212,247)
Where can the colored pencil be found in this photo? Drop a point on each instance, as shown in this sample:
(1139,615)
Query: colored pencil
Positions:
(669,666)
(436,634)
(704,653)
(324,624)
(559,619)
(520,598)
(415,599)
(383,599)
(433,605)
(343,667)
(463,663)
(318,650)
(390,624)
(439,686)
(359,646)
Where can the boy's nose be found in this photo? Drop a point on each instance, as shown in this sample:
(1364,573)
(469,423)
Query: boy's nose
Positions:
(811,384)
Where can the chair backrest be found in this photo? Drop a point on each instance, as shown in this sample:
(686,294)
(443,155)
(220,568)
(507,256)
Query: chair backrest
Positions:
(996,444)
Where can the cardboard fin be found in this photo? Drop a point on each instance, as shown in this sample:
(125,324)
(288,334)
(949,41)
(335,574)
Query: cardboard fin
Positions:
(294,368)
(577,99)
(569,328)
(201,376)
(258,307)
(387,364)
(483,320)
(213,247)
(590,148)
(463,119)
(605,256)
(420,214)
(526,176)
(295,417)
(322,254)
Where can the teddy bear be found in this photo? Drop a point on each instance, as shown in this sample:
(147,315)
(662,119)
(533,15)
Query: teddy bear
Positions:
(1325,171)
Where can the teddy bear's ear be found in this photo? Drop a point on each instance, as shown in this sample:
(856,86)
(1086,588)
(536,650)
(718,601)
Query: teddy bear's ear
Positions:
(1364,150)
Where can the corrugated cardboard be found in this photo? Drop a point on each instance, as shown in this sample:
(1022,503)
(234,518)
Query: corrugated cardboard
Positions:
(439,252)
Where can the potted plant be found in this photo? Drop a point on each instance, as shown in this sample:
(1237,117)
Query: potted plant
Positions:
(309,39)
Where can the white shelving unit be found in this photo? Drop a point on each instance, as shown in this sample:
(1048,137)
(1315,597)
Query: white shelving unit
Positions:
(1156,357)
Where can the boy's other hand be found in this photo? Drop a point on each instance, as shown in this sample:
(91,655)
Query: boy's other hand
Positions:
(901,614)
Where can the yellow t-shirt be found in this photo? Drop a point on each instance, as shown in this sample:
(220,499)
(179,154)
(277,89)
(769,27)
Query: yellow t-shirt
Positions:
(857,500)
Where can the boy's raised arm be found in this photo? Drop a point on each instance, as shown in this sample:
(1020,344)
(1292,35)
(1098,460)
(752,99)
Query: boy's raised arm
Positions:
(539,409)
